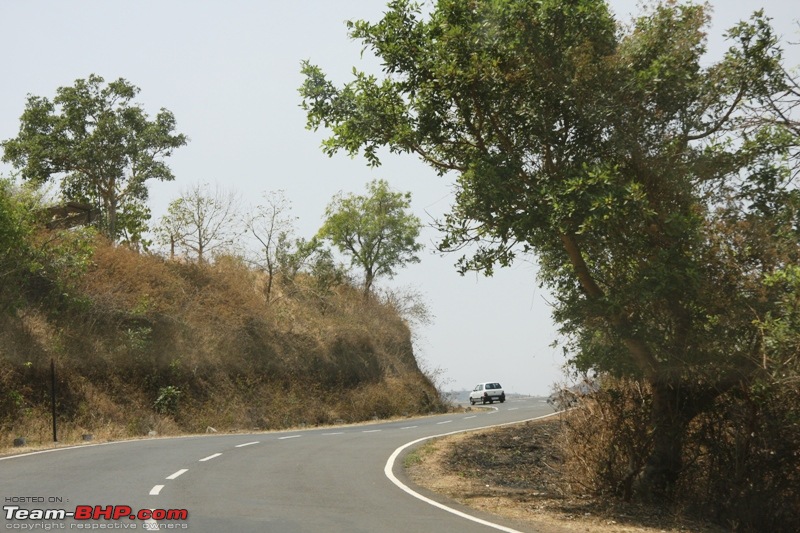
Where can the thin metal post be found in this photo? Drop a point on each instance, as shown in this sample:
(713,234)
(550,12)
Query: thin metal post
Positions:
(53,396)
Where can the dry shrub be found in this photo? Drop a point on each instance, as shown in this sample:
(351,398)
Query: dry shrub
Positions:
(744,460)
(741,457)
(405,396)
(605,441)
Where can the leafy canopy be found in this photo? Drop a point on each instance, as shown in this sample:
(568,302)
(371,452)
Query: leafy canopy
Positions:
(103,145)
(602,149)
(375,230)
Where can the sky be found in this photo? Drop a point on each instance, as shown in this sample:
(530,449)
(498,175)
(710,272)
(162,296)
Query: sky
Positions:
(229,70)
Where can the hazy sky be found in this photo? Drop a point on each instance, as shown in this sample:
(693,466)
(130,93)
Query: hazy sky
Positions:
(229,71)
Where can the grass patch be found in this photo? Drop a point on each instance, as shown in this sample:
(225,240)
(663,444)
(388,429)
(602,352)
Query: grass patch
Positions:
(418,455)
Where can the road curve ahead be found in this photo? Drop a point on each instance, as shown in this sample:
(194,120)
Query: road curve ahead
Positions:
(342,479)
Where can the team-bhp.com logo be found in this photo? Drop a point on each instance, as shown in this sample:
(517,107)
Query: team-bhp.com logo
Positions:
(95,513)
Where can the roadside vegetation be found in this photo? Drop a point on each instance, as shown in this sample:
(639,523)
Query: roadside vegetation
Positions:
(740,460)
(144,344)
(655,187)
(518,472)
(577,470)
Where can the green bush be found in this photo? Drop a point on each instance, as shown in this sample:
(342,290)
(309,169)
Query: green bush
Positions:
(167,401)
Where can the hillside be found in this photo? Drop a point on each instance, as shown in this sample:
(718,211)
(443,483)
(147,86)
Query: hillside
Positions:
(143,344)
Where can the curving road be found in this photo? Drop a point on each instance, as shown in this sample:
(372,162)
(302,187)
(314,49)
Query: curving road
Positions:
(342,479)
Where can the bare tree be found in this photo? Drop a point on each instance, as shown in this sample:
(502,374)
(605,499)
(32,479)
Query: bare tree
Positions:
(201,222)
(272,225)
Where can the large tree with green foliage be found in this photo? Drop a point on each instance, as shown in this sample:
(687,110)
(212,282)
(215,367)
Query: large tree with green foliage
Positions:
(610,153)
(103,145)
(375,230)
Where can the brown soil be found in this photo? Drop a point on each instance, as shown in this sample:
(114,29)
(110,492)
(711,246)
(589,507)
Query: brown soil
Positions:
(514,472)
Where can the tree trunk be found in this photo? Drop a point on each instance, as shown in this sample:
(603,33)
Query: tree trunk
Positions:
(675,404)
(270,276)
(369,277)
(110,199)
(670,416)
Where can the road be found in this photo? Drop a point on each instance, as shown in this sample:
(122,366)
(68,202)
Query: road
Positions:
(339,479)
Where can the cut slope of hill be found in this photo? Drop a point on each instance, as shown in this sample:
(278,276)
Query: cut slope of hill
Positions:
(144,344)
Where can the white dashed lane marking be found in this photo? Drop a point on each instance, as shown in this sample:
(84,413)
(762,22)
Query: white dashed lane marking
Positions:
(156,490)
(178,473)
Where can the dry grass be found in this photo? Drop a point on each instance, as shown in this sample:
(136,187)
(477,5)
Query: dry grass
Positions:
(143,344)
(517,472)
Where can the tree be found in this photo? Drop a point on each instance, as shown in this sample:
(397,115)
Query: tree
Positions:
(375,230)
(606,151)
(101,143)
(37,264)
(272,226)
(16,254)
(200,222)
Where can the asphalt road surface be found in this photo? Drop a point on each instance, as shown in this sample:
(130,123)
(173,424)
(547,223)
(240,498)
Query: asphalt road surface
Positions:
(338,479)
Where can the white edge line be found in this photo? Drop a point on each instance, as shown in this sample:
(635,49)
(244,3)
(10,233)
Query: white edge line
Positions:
(388,471)
(247,444)
(80,446)
(178,473)
(204,459)
(156,490)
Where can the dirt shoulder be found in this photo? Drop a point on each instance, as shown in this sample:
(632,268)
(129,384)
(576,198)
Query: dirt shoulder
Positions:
(514,472)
